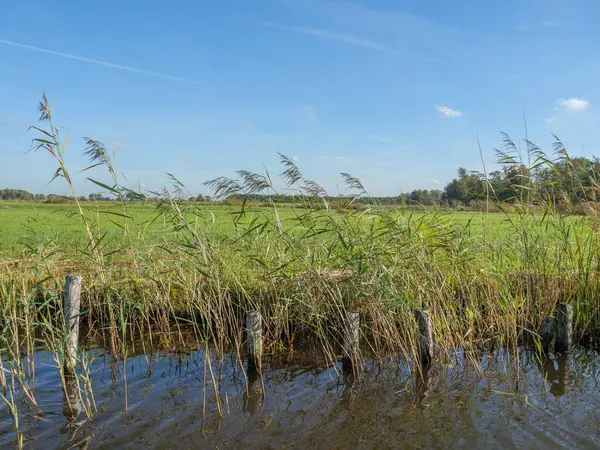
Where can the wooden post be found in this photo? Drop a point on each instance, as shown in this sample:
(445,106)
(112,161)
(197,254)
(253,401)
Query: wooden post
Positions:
(426,336)
(254,338)
(547,333)
(351,340)
(565,327)
(72,304)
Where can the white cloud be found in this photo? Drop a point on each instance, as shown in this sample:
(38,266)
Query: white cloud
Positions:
(574,104)
(435,182)
(310,112)
(448,112)
(568,105)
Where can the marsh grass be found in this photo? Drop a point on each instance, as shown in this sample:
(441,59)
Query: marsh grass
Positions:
(303,268)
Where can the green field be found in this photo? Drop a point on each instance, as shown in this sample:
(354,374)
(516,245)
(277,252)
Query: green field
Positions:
(25,224)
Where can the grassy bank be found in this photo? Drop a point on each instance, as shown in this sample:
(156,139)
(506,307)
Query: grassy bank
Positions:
(484,277)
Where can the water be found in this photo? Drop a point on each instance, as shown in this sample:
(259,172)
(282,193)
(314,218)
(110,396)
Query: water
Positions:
(164,400)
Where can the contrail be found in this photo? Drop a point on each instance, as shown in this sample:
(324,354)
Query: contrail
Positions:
(340,37)
(97,62)
(351,40)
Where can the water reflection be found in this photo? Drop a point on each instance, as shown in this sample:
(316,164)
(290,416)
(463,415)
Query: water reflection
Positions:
(75,416)
(254,397)
(168,402)
(422,385)
(555,371)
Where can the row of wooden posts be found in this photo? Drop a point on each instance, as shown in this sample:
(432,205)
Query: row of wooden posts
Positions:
(561,327)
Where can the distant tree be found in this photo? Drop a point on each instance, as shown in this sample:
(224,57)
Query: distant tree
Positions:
(97,197)
(133,196)
(464,189)
(15,194)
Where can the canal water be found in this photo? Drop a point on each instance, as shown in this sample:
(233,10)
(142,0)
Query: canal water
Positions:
(169,400)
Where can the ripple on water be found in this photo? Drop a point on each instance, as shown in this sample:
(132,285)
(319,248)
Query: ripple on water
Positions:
(168,401)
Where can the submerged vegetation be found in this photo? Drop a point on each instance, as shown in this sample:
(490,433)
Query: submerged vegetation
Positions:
(198,268)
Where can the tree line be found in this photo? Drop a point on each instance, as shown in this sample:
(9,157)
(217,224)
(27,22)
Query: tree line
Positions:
(22,195)
(565,181)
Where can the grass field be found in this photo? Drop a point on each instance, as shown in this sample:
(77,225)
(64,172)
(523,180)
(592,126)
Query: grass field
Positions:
(24,224)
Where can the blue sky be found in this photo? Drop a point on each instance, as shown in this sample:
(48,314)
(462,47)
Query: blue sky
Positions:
(393,92)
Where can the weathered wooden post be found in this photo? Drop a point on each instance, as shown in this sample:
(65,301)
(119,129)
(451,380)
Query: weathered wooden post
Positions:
(565,327)
(254,338)
(72,305)
(547,333)
(351,340)
(425,335)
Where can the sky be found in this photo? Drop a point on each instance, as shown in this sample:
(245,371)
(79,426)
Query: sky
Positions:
(394,92)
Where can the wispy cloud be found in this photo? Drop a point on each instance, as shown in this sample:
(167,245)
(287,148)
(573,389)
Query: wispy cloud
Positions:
(384,139)
(310,112)
(188,162)
(351,39)
(246,125)
(574,104)
(333,36)
(551,24)
(545,24)
(119,145)
(435,182)
(448,112)
(122,127)
(339,159)
(98,62)
(12,121)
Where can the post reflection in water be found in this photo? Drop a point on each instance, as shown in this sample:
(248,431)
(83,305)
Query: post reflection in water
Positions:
(422,385)
(557,377)
(75,416)
(254,397)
